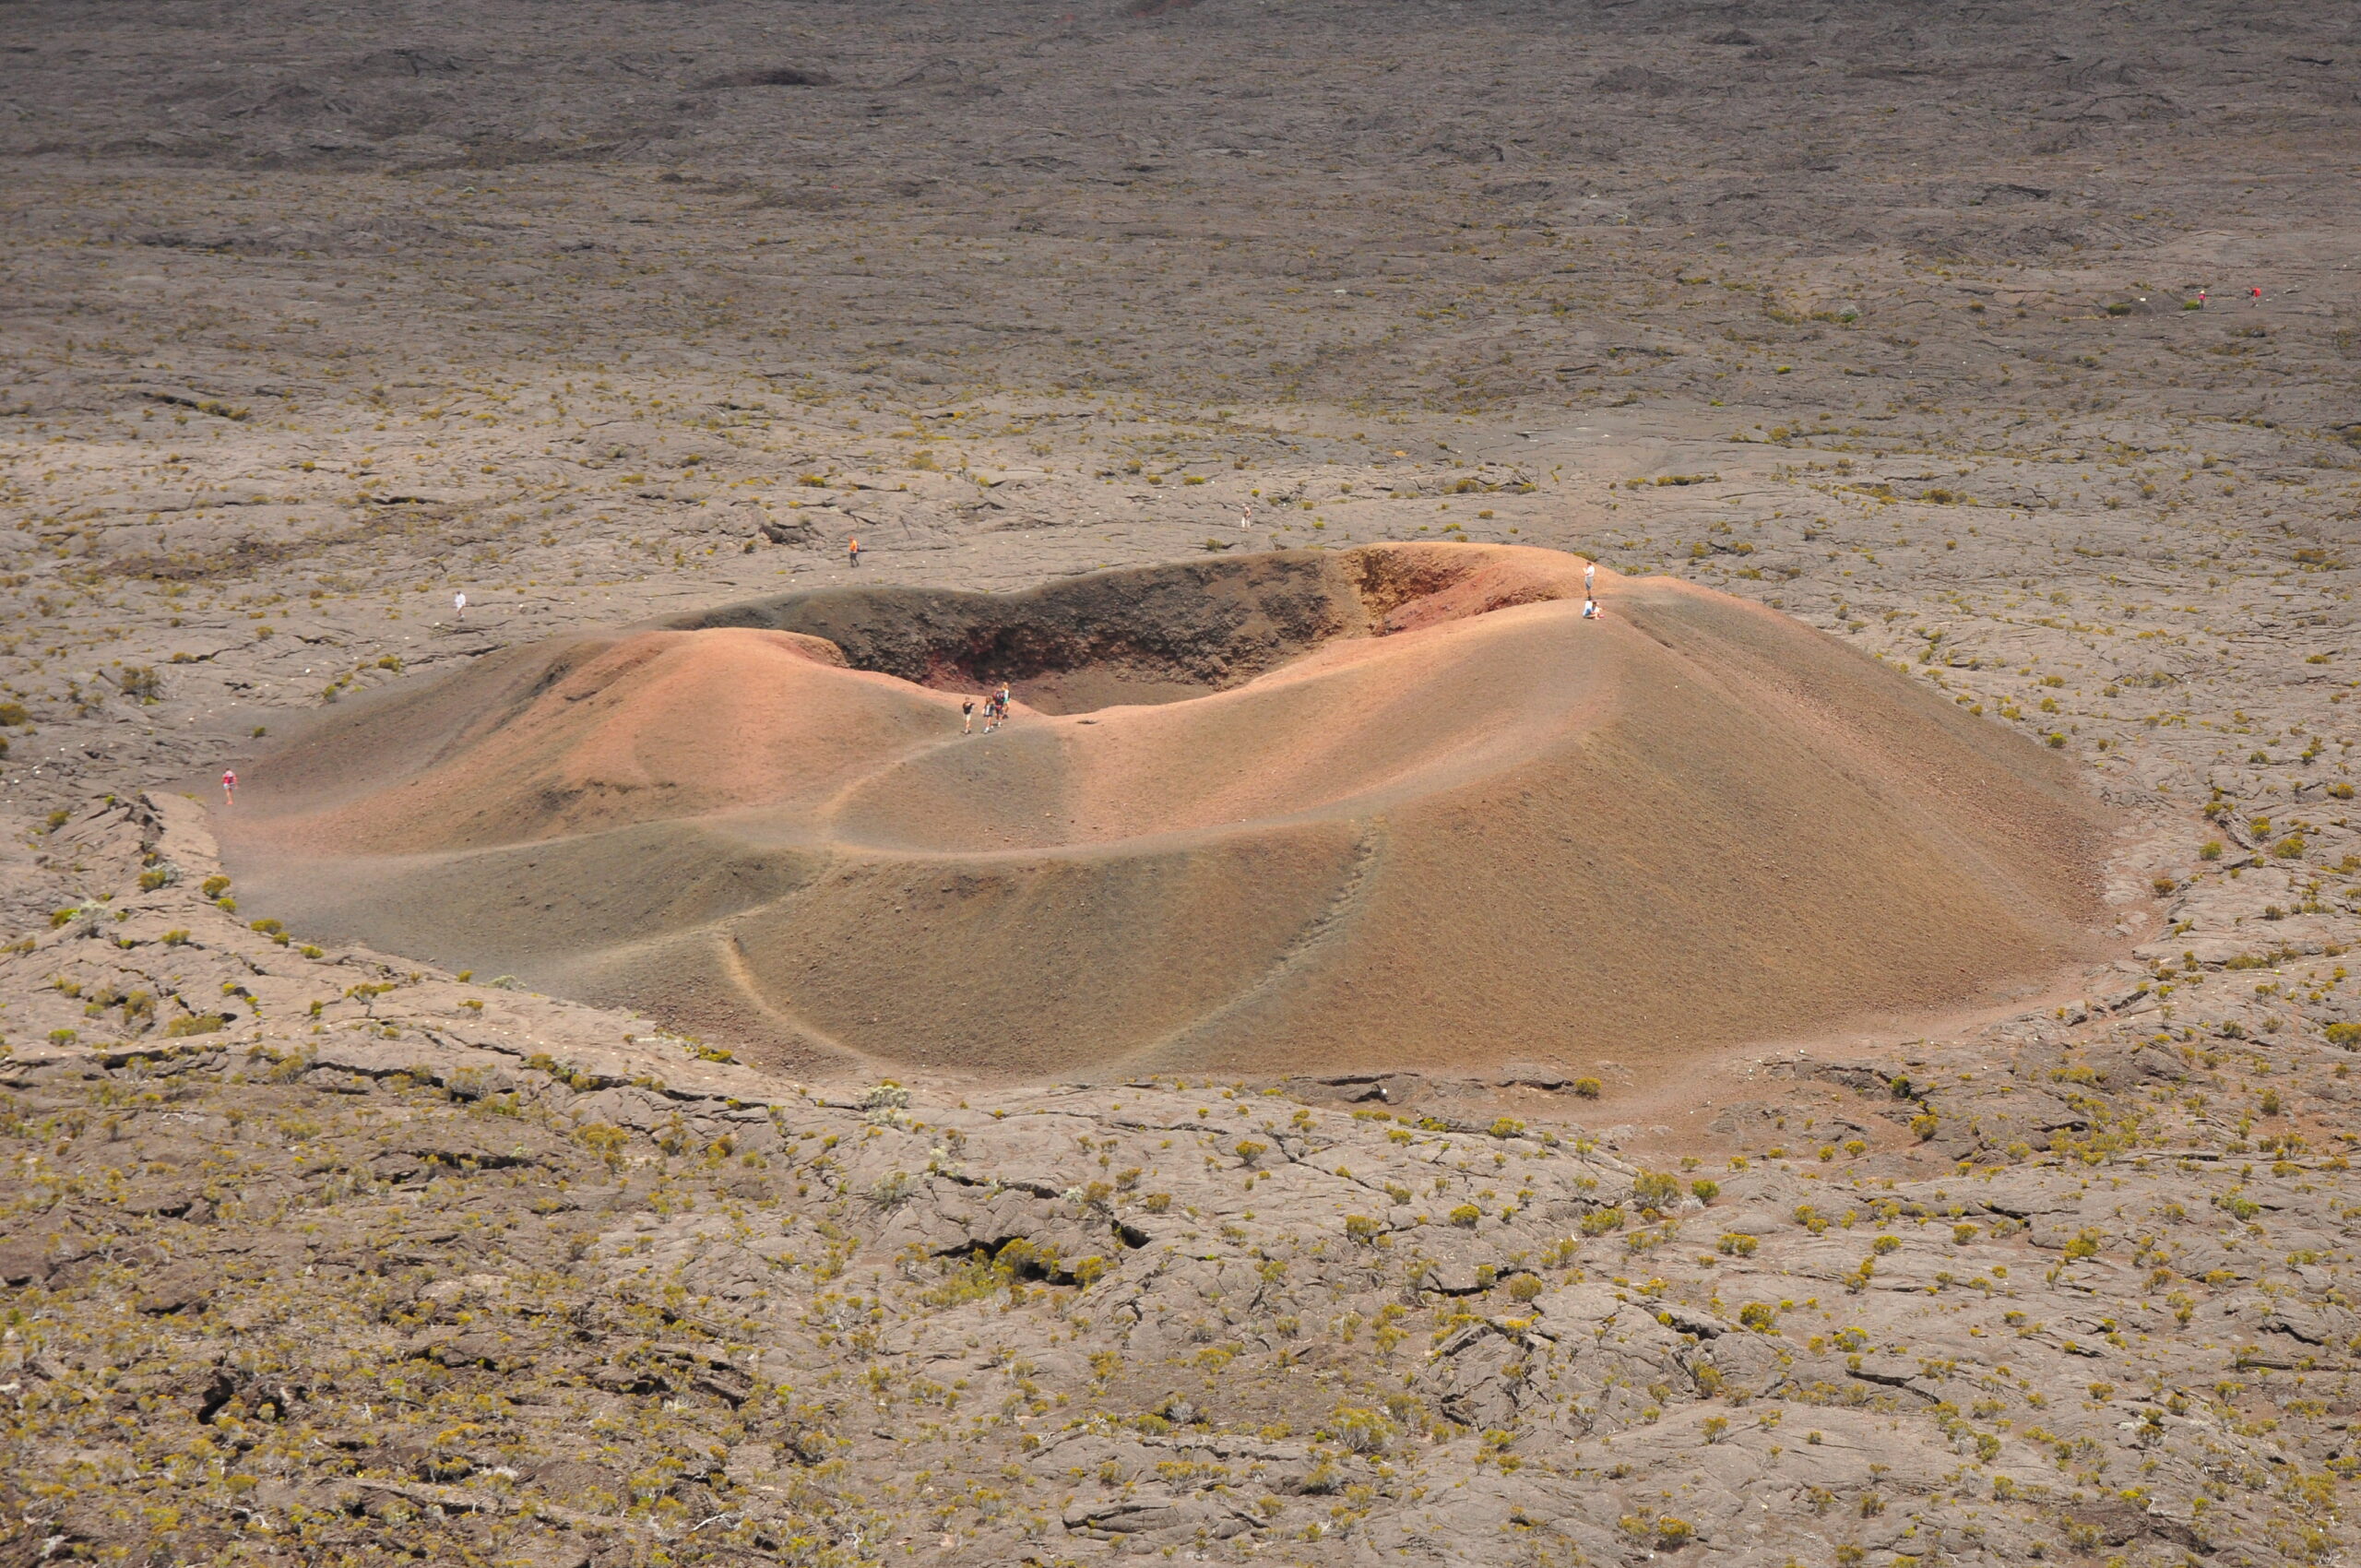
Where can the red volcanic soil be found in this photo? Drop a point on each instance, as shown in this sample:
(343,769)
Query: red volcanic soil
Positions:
(1394,807)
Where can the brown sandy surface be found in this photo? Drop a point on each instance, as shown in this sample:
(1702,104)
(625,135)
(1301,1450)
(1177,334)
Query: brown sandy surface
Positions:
(1495,831)
(616,316)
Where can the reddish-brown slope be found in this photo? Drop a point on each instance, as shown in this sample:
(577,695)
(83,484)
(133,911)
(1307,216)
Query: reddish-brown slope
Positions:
(1461,825)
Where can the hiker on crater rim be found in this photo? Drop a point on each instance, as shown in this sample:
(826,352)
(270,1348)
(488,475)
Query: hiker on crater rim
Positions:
(458,607)
(1590,579)
(967,715)
(852,551)
(229,786)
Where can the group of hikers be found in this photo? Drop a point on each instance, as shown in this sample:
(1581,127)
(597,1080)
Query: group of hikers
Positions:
(995,709)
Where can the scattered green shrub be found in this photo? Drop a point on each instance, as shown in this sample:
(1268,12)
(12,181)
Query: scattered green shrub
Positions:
(1655,1189)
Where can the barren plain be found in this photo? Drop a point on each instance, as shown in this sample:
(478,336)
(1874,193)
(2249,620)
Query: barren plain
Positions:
(2013,347)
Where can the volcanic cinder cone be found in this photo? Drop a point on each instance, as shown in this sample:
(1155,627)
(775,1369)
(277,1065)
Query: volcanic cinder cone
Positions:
(1400,807)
